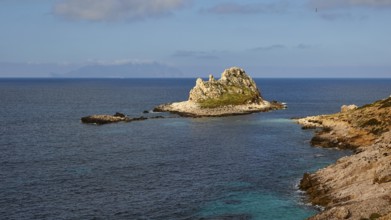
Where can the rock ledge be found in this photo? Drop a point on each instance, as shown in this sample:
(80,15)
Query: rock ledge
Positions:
(357,186)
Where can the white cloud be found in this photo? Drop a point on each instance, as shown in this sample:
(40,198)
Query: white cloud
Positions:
(115,10)
(335,4)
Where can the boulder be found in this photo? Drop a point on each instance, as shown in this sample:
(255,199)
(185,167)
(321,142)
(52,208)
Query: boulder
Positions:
(346,108)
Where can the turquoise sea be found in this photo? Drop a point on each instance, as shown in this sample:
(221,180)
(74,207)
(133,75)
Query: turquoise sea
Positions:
(240,167)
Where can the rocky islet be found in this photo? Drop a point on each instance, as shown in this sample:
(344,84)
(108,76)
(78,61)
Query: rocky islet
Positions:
(117,117)
(235,93)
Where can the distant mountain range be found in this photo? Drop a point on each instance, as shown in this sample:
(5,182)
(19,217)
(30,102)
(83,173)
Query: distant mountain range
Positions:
(139,70)
(96,70)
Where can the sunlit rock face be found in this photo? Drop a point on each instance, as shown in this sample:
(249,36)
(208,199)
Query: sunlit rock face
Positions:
(357,186)
(235,93)
(234,87)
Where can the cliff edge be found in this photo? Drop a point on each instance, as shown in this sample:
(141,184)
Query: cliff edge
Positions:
(356,186)
(234,93)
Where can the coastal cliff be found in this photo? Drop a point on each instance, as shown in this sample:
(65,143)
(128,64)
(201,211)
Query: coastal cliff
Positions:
(356,186)
(233,94)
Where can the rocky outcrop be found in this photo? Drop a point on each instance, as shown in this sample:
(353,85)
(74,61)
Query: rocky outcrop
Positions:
(234,93)
(346,108)
(117,117)
(234,87)
(357,186)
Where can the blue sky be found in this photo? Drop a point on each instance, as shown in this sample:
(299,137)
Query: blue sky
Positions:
(283,38)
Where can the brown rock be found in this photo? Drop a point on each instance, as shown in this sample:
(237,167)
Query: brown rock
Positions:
(103,119)
(359,185)
(107,119)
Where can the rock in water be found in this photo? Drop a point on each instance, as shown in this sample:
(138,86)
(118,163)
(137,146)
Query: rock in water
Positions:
(234,93)
(104,119)
(107,119)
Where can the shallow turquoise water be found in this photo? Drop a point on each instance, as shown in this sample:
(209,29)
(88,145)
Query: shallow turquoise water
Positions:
(255,205)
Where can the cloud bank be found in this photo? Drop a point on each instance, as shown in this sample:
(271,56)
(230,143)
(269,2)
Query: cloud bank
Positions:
(273,47)
(115,10)
(125,70)
(336,4)
(195,54)
(253,8)
(269,48)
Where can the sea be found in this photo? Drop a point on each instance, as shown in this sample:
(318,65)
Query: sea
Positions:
(225,168)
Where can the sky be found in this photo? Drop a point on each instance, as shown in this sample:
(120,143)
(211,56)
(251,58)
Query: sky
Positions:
(281,38)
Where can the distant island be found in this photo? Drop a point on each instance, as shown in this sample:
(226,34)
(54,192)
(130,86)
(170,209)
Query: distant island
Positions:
(357,186)
(235,93)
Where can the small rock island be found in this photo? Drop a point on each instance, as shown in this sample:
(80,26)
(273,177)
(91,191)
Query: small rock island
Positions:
(235,93)
(357,186)
(107,119)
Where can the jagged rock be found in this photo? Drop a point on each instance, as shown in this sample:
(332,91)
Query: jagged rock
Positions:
(346,108)
(360,184)
(335,213)
(234,87)
(234,93)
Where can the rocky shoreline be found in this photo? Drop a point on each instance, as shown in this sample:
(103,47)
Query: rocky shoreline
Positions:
(356,186)
(191,109)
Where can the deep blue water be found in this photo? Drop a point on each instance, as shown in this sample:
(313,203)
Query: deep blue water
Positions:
(240,167)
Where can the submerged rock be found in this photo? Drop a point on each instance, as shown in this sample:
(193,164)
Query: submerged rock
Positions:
(234,93)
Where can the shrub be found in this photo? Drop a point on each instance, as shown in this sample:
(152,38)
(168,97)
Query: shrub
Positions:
(371,122)
(374,216)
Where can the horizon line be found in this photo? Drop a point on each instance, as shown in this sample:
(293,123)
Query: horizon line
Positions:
(187,77)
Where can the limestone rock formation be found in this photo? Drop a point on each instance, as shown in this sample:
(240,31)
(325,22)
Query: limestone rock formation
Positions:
(357,186)
(234,87)
(346,108)
(234,93)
